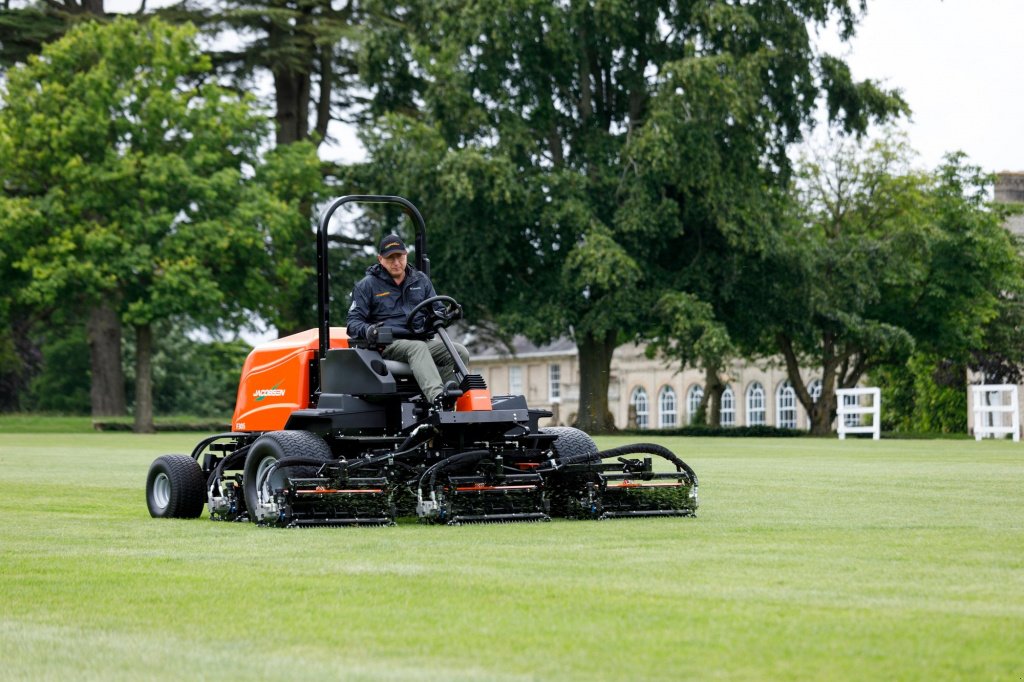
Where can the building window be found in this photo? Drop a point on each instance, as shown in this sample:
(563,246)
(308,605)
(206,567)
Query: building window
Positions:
(785,406)
(693,398)
(755,405)
(667,407)
(515,380)
(638,400)
(852,419)
(555,383)
(814,389)
(728,410)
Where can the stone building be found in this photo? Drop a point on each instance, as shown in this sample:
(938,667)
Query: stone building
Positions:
(1009,189)
(642,392)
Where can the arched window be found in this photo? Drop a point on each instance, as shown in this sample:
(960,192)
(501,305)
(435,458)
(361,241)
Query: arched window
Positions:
(814,389)
(852,419)
(785,406)
(693,398)
(638,400)
(666,407)
(728,411)
(755,404)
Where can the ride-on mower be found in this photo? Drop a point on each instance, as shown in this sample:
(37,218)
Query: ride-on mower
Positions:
(327,432)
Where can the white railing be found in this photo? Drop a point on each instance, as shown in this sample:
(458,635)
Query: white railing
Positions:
(849,411)
(992,403)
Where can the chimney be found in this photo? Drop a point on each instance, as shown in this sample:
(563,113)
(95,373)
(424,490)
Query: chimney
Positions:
(1009,187)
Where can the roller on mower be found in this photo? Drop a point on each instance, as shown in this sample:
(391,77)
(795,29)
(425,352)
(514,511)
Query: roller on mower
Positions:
(329,433)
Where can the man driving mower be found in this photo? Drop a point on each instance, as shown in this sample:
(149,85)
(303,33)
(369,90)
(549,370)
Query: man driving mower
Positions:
(382,300)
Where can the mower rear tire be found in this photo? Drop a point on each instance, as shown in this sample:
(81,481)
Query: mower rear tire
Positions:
(571,442)
(271,447)
(175,488)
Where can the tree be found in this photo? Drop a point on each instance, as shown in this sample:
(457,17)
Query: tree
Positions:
(305,46)
(124,179)
(594,136)
(882,260)
(27,25)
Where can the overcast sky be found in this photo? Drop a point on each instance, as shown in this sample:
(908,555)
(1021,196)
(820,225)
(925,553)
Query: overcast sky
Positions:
(960,65)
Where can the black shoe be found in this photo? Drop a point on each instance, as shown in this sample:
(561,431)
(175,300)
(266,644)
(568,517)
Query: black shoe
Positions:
(452,390)
(446,399)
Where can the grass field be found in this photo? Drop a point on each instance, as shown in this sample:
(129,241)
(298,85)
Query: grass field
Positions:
(810,559)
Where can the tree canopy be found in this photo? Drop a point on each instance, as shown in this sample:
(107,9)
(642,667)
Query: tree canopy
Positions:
(128,183)
(879,260)
(600,139)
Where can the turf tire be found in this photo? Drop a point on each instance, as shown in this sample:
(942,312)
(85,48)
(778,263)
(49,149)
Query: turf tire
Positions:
(175,488)
(571,442)
(273,446)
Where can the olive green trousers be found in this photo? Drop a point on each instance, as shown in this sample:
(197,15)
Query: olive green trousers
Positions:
(431,363)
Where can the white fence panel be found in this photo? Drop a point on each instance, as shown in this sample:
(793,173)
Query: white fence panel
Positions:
(996,411)
(850,412)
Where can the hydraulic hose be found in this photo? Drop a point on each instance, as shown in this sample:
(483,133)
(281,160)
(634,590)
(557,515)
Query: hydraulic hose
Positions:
(287,462)
(458,458)
(231,461)
(410,445)
(633,449)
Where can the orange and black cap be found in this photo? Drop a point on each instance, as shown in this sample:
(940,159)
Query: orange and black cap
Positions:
(391,244)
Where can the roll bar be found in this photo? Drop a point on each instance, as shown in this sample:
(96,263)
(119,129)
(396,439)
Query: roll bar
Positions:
(323,276)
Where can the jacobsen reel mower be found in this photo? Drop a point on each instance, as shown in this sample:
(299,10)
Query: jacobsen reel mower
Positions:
(327,432)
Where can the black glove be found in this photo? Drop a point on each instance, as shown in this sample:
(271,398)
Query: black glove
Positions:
(379,333)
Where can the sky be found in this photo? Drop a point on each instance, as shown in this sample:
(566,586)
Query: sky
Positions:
(960,66)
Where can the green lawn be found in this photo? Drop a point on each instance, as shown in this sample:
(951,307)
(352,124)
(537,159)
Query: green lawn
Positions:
(810,559)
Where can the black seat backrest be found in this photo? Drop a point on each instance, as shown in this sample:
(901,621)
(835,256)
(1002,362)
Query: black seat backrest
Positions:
(359,371)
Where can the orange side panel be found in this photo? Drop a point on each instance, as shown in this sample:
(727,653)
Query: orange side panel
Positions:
(275,380)
(475,400)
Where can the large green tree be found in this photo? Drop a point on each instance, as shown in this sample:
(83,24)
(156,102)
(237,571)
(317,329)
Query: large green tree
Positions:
(568,153)
(879,260)
(124,176)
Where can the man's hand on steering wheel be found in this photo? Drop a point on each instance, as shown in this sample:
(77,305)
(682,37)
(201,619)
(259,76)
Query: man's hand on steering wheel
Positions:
(434,318)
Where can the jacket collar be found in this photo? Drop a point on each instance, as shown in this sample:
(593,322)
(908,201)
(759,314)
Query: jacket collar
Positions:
(378,271)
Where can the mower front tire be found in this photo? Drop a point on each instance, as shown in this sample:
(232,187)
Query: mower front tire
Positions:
(175,488)
(271,447)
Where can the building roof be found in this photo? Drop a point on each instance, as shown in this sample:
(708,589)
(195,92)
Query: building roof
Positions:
(524,348)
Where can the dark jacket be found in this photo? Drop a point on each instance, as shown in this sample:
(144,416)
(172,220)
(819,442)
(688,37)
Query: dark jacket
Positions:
(377,299)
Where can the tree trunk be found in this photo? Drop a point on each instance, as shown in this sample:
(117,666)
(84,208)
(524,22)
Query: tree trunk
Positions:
(595,357)
(822,412)
(292,96)
(143,379)
(93,7)
(713,390)
(106,390)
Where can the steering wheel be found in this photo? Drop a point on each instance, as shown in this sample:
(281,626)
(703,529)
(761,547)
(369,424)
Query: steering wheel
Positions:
(434,318)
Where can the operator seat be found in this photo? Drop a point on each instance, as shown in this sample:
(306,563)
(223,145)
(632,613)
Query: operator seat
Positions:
(362,371)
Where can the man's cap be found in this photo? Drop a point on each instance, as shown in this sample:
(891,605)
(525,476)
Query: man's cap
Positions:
(391,244)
